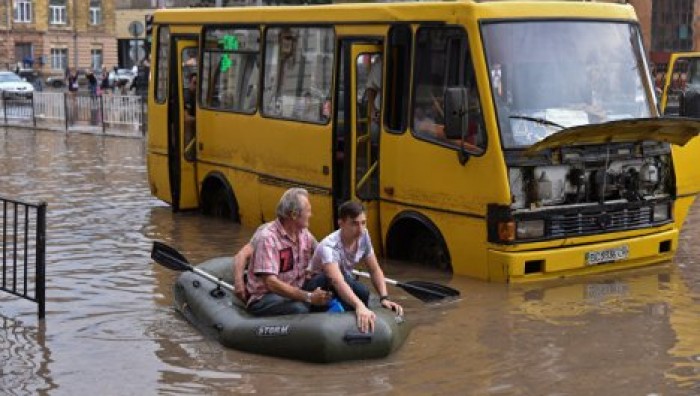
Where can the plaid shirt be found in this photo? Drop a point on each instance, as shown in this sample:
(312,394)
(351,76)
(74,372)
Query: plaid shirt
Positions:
(275,253)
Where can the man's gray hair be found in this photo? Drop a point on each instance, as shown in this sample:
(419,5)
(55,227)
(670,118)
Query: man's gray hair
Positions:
(290,203)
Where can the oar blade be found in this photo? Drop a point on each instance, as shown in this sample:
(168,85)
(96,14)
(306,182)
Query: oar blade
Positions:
(169,257)
(428,291)
(171,251)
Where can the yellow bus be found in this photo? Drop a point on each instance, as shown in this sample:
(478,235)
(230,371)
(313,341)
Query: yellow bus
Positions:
(506,141)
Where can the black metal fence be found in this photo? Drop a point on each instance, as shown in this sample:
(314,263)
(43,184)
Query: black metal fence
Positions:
(23,251)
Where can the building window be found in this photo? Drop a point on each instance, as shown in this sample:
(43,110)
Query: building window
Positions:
(59,58)
(24,52)
(672,25)
(57,12)
(23,11)
(95,12)
(96,58)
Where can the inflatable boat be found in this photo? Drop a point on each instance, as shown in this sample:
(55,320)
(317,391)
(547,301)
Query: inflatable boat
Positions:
(314,337)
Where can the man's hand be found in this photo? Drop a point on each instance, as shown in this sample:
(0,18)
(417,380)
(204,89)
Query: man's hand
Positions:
(320,297)
(240,290)
(388,304)
(365,319)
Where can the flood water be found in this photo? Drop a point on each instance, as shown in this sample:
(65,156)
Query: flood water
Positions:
(110,328)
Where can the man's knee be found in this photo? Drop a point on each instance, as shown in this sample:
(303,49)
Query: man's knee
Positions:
(296,307)
(360,290)
(272,304)
(319,280)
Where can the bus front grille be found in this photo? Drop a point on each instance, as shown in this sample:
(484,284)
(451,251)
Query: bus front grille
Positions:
(573,224)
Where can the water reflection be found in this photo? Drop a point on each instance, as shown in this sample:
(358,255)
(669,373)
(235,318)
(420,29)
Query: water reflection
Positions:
(110,322)
(25,358)
(627,321)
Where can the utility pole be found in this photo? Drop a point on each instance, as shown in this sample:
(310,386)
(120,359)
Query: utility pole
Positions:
(75,34)
(8,7)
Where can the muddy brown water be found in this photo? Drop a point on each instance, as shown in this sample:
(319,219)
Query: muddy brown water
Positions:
(110,328)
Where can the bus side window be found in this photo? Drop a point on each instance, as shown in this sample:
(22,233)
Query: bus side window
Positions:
(162,58)
(230,68)
(298,73)
(398,66)
(442,60)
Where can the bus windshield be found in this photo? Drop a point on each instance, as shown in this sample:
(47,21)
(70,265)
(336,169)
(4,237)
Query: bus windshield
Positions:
(549,75)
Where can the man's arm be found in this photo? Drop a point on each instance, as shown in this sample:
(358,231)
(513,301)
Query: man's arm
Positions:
(365,317)
(275,285)
(239,264)
(377,276)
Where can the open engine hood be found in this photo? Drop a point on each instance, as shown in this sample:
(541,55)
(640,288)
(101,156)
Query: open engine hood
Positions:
(674,130)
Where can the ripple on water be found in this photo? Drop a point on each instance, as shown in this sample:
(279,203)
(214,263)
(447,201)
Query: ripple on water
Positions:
(109,313)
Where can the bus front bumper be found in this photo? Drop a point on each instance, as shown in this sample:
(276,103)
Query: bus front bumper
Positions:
(559,262)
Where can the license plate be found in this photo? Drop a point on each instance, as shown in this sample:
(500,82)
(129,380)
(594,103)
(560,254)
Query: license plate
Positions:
(607,255)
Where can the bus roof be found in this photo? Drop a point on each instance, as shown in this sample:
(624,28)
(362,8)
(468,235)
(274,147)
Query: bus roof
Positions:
(393,12)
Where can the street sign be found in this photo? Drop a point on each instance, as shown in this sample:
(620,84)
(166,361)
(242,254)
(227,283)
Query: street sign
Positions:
(135,28)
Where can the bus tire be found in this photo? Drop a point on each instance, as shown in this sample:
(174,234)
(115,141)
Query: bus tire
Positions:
(218,199)
(413,237)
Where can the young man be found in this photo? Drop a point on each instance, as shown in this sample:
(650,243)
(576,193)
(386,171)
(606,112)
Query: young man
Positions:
(338,254)
(281,254)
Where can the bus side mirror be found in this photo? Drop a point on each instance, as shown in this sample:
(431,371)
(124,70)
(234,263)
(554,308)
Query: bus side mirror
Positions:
(455,112)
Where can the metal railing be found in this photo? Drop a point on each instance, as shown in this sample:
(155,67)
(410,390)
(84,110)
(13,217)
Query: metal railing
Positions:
(108,113)
(23,251)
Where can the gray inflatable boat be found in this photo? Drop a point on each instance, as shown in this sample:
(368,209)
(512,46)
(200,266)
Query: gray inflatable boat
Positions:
(314,337)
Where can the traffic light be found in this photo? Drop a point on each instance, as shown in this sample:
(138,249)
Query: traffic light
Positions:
(149,32)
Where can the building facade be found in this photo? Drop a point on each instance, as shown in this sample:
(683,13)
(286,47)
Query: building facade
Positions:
(52,35)
(668,26)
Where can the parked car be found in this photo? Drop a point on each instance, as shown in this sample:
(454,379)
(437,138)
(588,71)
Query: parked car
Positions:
(126,76)
(33,77)
(56,81)
(13,85)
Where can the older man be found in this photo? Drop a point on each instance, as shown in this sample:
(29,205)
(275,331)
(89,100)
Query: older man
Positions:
(281,253)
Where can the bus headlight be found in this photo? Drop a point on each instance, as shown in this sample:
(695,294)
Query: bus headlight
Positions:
(662,212)
(527,229)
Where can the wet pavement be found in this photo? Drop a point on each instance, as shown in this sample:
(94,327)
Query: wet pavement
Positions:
(110,328)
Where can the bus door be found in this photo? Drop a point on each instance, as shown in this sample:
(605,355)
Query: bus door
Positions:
(365,92)
(681,96)
(182,165)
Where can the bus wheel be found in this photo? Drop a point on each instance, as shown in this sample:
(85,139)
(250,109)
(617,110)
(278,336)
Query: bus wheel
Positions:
(220,207)
(429,250)
(217,202)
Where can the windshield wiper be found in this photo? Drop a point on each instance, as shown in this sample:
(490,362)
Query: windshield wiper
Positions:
(542,121)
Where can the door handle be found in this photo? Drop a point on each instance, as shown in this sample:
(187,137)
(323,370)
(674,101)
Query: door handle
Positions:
(389,190)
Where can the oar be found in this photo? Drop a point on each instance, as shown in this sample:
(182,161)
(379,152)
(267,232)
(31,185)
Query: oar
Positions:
(422,290)
(171,258)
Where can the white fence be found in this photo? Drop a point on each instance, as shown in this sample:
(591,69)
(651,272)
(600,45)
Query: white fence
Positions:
(50,105)
(109,114)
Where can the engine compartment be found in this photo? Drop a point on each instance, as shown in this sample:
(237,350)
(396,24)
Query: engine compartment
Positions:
(592,175)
